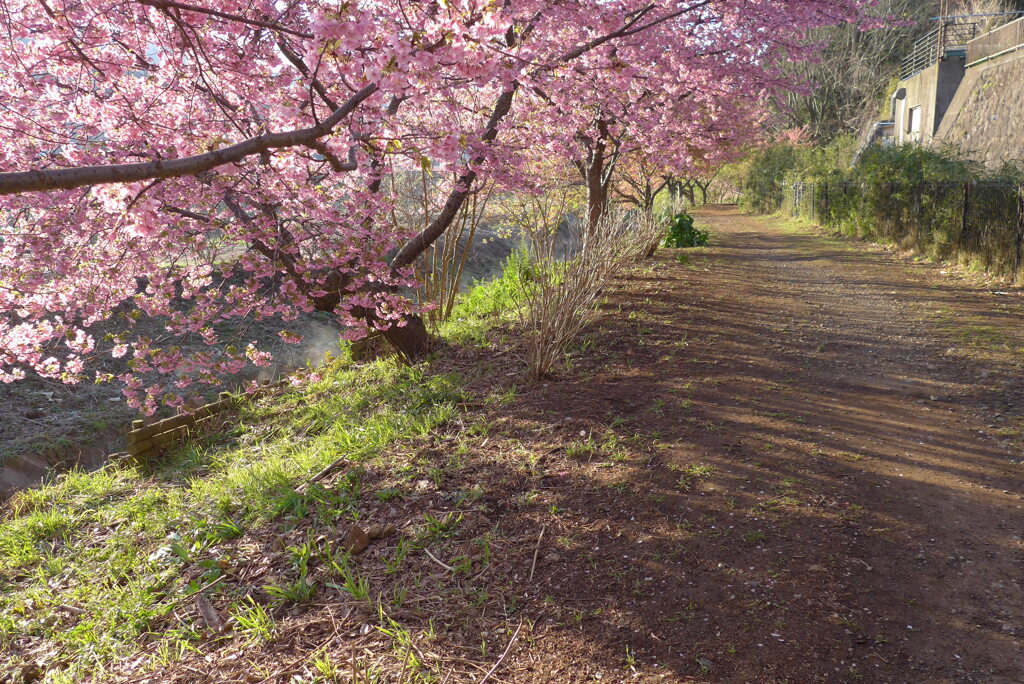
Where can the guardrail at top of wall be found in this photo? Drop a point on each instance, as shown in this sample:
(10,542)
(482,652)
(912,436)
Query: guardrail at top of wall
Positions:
(951,34)
(1005,37)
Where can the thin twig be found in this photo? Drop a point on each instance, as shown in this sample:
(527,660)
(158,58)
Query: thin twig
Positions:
(405,665)
(328,470)
(535,552)
(439,562)
(292,667)
(505,653)
(480,574)
(179,599)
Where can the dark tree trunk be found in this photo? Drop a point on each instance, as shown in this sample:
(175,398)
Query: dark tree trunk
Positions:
(650,194)
(674,190)
(688,193)
(597,205)
(596,168)
(597,187)
(411,340)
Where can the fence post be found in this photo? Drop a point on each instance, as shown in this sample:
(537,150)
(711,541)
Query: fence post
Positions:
(1020,230)
(133,439)
(964,208)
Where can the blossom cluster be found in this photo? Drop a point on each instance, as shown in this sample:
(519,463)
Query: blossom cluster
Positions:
(205,164)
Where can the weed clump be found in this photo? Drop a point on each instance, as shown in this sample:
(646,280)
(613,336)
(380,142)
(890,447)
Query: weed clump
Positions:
(682,232)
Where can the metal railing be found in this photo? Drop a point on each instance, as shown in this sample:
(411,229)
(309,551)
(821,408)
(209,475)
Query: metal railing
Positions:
(951,35)
(1006,37)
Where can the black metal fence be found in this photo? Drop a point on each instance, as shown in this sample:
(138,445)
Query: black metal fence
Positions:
(983,222)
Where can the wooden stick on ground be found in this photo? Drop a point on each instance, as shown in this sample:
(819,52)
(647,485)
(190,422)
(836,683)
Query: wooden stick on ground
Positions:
(438,561)
(535,552)
(505,653)
(328,470)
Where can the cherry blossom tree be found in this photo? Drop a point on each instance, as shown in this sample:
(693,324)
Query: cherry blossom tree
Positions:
(639,182)
(210,164)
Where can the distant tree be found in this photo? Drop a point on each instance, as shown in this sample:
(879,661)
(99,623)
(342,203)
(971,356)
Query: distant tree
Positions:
(852,67)
(990,14)
(638,184)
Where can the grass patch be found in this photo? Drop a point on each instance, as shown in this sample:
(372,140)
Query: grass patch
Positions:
(485,305)
(110,566)
(93,561)
(984,336)
(692,474)
(92,565)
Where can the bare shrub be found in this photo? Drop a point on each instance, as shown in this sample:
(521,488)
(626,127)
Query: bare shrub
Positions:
(420,196)
(558,294)
(648,233)
(990,14)
(439,270)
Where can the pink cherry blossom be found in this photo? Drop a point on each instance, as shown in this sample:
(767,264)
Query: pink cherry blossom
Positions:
(210,164)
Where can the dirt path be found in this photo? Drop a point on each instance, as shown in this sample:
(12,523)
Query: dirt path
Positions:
(861,517)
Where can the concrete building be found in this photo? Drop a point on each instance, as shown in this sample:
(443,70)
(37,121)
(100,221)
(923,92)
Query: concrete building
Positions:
(966,89)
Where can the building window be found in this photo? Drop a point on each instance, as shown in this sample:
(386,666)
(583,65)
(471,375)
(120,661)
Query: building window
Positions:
(914,123)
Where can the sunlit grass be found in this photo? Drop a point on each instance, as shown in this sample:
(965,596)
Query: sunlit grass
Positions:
(485,305)
(90,563)
(107,544)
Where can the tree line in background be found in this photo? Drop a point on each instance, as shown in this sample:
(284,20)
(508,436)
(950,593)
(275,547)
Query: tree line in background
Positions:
(935,201)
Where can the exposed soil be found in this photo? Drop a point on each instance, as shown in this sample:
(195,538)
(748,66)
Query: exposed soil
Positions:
(794,459)
(865,514)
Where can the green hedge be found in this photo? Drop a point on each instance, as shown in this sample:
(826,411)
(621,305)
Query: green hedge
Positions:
(979,223)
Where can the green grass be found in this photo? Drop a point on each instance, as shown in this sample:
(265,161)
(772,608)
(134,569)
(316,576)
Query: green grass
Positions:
(693,473)
(254,622)
(92,562)
(94,565)
(107,548)
(485,305)
(985,336)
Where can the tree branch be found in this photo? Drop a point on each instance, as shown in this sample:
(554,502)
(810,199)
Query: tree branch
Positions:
(167,4)
(340,166)
(414,247)
(58,179)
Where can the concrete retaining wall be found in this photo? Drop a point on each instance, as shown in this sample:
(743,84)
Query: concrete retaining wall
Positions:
(986,117)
